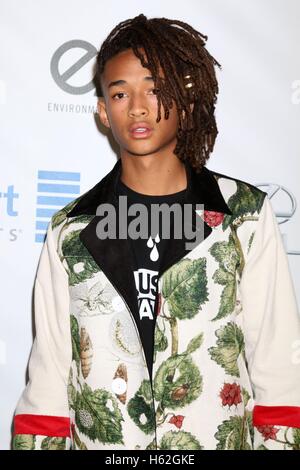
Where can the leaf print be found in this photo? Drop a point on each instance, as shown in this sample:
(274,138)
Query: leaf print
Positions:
(121,373)
(140,408)
(61,215)
(248,415)
(72,394)
(76,441)
(160,341)
(232,434)
(86,352)
(227,300)
(245,201)
(226,254)
(246,396)
(230,345)
(262,447)
(185,287)
(184,389)
(97,416)
(152,445)
(145,391)
(250,241)
(195,344)
(179,440)
(75,341)
(296,437)
(53,443)
(81,265)
(23,442)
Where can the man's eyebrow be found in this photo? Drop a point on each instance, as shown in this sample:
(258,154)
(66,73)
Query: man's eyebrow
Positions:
(123,82)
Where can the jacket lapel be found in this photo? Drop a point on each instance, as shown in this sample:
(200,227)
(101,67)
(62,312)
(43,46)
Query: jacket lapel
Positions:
(113,256)
(115,260)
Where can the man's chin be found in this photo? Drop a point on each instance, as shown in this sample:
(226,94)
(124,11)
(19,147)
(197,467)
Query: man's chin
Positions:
(141,152)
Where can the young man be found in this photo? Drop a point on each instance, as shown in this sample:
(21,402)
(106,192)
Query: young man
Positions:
(151,343)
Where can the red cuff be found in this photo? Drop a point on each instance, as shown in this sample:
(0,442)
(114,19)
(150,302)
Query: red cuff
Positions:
(54,426)
(278,415)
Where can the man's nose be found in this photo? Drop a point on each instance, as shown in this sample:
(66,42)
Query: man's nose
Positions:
(138,107)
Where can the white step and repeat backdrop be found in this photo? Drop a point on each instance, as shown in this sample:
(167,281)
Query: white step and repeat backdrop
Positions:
(51,145)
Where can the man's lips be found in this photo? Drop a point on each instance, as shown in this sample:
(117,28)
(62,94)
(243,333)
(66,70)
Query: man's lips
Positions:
(139,125)
(140,129)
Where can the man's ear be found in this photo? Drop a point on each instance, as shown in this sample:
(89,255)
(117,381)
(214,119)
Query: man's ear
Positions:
(102,112)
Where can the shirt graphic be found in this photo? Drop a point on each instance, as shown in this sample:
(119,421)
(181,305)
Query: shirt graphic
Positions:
(146,282)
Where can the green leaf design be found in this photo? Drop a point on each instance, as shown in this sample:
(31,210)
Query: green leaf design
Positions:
(53,443)
(246,200)
(142,414)
(160,341)
(145,391)
(195,344)
(226,254)
(23,442)
(77,443)
(152,445)
(227,300)
(72,394)
(246,396)
(81,265)
(262,447)
(179,440)
(140,408)
(185,389)
(185,287)
(296,438)
(61,215)
(75,341)
(250,241)
(232,434)
(230,345)
(249,419)
(97,415)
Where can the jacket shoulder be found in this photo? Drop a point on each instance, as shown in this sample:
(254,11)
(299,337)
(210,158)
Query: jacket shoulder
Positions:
(61,216)
(66,230)
(241,196)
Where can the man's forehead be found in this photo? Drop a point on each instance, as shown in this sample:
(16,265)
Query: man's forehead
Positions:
(121,62)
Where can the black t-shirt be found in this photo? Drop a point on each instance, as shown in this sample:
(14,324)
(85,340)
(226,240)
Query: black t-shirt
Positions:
(147,254)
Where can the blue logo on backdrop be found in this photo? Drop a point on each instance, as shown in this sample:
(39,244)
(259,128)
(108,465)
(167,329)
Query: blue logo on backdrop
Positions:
(10,195)
(8,207)
(55,189)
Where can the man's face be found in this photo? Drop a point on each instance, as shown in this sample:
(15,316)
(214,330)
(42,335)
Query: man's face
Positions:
(130,99)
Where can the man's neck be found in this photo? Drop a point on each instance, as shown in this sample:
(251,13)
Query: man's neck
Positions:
(153,175)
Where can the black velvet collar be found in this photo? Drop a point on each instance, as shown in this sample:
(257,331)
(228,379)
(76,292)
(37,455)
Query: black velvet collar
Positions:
(202,188)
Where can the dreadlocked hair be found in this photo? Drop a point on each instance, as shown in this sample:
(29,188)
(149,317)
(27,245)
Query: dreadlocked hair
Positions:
(189,77)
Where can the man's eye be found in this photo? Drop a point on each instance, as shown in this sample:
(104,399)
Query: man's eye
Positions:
(118,95)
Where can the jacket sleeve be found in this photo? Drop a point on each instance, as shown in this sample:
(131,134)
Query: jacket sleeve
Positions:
(41,418)
(272,338)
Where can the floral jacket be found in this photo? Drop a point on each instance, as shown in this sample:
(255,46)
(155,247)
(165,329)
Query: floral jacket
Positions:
(226,364)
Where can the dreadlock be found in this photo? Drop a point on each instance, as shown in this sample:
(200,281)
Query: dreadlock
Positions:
(189,77)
